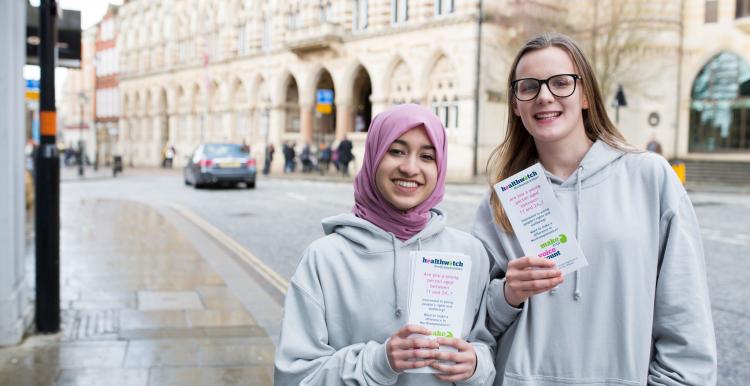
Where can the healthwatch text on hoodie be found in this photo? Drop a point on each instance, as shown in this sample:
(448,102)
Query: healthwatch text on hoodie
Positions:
(639,313)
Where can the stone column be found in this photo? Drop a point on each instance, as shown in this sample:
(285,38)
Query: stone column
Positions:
(306,123)
(344,118)
(16,310)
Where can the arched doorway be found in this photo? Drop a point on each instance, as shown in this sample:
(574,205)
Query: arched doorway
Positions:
(324,122)
(720,106)
(291,107)
(362,103)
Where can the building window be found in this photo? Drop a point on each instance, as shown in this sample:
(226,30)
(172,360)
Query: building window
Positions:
(399,11)
(720,106)
(359,15)
(447,112)
(267,31)
(742,10)
(326,11)
(444,7)
(294,19)
(712,11)
(242,46)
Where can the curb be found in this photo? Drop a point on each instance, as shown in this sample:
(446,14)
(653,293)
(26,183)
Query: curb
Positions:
(273,278)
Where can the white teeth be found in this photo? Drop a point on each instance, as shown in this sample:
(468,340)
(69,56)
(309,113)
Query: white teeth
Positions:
(406,184)
(547,115)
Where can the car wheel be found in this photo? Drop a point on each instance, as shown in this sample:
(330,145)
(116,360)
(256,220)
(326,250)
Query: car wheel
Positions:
(250,185)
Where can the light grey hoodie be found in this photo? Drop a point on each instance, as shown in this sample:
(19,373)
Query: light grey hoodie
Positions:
(639,313)
(346,299)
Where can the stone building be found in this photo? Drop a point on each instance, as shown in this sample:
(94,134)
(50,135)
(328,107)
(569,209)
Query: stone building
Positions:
(107,94)
(250,70)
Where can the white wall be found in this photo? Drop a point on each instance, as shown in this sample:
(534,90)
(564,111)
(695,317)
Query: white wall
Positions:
(14,305)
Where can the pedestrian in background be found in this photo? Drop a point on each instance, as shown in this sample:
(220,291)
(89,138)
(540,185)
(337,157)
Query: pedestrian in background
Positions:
(324,158)
(653,145)
(343,316)
(268,158)
(639,313)
(345,155)
(305,157)
(289,154)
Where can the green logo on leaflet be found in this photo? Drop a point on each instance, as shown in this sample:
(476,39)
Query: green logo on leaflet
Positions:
(444,334)
(553,242)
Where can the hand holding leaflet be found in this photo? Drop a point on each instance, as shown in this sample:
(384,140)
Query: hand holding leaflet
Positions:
(537,220)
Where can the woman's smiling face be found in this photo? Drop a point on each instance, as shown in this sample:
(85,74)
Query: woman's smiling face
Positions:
(407,174)
(549,118)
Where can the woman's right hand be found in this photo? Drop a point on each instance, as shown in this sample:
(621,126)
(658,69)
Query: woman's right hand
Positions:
(527,276)
(410,353)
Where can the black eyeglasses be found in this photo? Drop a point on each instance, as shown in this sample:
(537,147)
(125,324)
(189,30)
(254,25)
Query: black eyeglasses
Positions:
(561,86)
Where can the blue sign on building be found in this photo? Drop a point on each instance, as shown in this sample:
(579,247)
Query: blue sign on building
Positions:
(325,97)
(32,84)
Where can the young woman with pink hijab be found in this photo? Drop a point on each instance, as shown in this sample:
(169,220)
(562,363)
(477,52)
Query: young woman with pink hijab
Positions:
(345,318)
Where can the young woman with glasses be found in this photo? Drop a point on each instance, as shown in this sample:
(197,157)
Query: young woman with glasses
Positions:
(639,313)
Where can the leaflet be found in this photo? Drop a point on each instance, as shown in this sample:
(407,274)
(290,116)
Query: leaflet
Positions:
(438,290)
(537,220)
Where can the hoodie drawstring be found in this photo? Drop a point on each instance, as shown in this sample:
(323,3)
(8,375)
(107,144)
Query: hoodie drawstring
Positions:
(553,290)
(577,293)
(397,313)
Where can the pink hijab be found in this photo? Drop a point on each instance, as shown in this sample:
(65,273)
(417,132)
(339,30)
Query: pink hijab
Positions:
(369,204)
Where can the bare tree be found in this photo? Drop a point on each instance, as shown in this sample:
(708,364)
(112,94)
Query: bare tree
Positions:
(625,40)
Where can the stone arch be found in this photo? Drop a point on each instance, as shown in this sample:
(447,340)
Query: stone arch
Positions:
(324,118)
(720,106)
(400,87)
(290,104)
(361,100)
(442,91)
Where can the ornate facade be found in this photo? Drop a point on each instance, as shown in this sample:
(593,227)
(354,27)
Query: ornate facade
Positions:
(250,70)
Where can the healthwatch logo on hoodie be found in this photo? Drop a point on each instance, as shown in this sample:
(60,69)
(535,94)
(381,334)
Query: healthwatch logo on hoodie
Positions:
(519,181)
(551,253)
(451,263)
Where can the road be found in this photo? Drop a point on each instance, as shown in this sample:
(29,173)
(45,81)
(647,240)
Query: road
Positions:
(280,217)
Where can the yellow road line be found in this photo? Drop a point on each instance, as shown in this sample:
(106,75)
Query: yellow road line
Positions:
(255,263)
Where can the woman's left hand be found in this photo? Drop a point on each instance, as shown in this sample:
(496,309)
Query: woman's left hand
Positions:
(465,360)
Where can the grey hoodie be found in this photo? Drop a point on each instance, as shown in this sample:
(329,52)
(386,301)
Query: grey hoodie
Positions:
(346,299)
(639,313)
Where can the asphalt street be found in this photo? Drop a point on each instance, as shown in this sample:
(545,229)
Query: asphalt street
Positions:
(280,217)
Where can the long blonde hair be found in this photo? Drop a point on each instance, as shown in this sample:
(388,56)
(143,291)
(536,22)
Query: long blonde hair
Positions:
(517,151)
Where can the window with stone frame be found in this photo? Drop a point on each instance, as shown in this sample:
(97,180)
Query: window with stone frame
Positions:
(442,93)
(401,88)
(444,7)
(399,11)
(742,9)
(359,15)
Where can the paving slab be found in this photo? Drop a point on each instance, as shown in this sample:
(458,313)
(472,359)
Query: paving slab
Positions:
(142,304)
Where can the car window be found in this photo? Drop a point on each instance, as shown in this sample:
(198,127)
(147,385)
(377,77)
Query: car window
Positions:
(224,150)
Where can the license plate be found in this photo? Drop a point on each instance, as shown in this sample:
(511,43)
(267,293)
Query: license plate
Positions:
(229,165)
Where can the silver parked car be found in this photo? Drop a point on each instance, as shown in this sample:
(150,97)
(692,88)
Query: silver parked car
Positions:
(220,164)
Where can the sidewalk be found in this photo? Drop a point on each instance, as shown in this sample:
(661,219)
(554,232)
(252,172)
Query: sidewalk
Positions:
(146,300)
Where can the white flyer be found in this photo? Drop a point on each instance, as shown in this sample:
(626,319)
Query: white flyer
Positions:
(537,220)
(438,290)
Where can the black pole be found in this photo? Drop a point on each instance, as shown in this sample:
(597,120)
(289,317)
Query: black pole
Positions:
(47,167)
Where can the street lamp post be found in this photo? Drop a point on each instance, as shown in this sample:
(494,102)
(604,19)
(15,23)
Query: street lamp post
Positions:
(81,151)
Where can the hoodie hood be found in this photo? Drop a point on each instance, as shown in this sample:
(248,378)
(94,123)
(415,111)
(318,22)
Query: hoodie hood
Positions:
(367,236)
(592,169)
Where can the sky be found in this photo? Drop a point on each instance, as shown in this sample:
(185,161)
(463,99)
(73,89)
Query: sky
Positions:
(91,12)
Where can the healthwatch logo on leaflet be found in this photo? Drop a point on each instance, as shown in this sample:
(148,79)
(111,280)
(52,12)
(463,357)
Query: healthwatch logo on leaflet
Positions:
(551,253)
(453,263)
(519,181)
